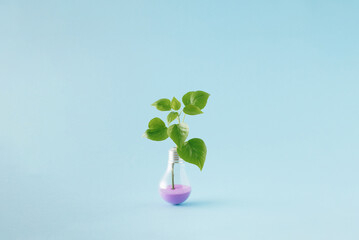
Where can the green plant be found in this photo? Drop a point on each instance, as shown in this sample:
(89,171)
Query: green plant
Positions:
(194,150)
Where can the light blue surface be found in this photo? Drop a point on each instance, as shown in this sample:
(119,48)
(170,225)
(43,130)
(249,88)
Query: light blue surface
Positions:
(76,82)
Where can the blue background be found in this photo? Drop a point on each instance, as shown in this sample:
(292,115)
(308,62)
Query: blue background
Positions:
(76,82)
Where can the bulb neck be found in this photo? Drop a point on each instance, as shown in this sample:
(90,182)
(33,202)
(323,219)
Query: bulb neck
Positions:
(173,156)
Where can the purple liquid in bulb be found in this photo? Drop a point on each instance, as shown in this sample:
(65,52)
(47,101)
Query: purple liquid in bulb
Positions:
(177,195)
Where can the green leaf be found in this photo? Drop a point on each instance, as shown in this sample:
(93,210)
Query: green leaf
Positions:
(175,104)
(192,110)
(186,99)
(163,104)
(156,123)
(171,116)
(194,151)
(157,130)
(198,98)
(178,133)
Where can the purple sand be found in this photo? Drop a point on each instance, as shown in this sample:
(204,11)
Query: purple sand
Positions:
(177,195)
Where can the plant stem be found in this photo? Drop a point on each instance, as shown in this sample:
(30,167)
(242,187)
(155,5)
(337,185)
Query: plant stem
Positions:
(173,176)
(179,116)
(184,115)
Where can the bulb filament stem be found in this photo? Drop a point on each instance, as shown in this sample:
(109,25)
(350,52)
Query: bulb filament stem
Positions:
(173,176)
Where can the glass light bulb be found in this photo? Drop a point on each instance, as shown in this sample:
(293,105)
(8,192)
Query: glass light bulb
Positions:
(174,186)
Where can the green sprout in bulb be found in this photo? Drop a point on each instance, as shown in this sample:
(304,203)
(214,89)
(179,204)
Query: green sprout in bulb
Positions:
(192,151)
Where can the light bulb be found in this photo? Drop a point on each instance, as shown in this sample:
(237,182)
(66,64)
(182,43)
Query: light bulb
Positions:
(174,186)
